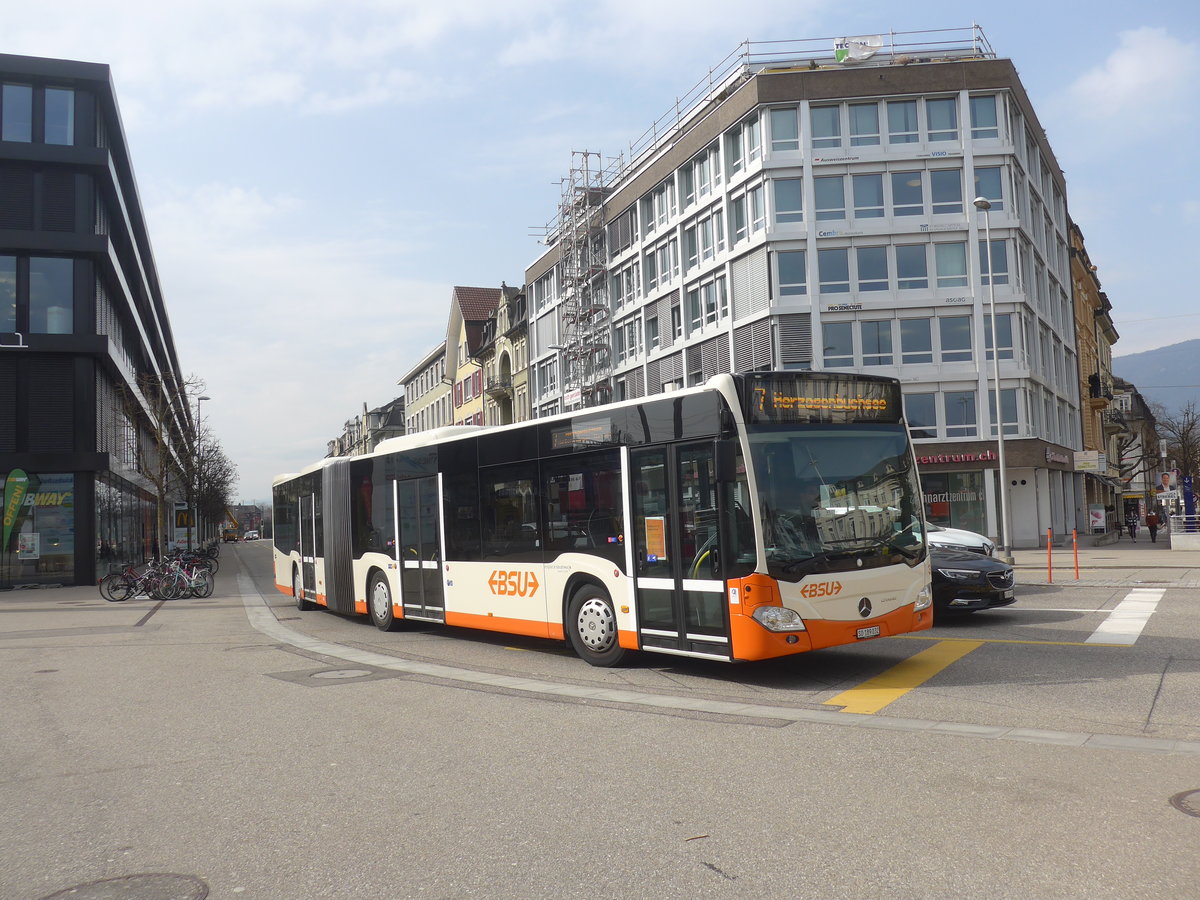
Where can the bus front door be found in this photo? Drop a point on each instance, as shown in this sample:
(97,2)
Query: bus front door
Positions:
(419,504)
(308,546)
(680,593)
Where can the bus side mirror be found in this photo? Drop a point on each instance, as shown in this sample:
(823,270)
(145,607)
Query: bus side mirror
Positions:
(726,460)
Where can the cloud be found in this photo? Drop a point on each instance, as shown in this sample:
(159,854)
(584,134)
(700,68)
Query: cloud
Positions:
(1150,77)
(291,335)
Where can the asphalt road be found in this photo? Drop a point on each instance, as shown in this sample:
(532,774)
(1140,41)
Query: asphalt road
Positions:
(250,750)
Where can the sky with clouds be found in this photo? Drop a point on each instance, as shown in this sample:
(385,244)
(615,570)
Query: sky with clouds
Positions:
(316,176)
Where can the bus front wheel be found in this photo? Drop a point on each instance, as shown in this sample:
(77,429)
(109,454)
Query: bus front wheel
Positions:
(298,592)
(592,627)
(379,603)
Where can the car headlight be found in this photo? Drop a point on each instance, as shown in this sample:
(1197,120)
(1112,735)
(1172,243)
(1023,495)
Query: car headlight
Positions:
(778,618)
(959,574)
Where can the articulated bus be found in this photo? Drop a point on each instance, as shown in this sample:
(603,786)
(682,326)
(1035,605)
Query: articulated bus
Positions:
(759,515)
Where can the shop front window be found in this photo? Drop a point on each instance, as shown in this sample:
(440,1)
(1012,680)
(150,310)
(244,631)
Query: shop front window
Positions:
(955,500)
(39,533)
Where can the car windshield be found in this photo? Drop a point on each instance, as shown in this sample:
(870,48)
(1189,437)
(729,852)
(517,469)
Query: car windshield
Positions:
(836,497)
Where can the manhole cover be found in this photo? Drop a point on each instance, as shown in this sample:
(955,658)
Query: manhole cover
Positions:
(137,887)
(343,673)
(1187,802)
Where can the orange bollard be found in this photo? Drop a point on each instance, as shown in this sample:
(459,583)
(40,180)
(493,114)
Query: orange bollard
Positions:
(1049,556)
(1075,549)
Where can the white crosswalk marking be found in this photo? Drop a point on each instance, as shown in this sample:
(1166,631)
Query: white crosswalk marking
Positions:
(1125,623)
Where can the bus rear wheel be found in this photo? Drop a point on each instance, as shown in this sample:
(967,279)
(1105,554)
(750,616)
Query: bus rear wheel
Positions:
(592,627)
(379,603)
(298,592)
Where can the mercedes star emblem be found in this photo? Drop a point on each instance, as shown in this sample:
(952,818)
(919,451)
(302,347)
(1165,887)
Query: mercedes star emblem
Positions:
(864,607)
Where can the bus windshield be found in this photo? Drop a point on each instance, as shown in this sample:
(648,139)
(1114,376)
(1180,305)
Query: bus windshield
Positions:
(836,497)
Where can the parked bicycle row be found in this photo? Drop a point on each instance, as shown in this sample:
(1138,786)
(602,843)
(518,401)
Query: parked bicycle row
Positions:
(180,574)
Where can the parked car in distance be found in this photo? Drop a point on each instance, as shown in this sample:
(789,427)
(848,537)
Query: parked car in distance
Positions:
(250,536)
(966,581)
(957,539)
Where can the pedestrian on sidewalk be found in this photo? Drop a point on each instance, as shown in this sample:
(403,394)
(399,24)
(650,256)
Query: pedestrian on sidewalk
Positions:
(1131,523)
(1152,525)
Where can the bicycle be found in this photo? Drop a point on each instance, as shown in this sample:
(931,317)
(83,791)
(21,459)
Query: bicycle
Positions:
(117,587)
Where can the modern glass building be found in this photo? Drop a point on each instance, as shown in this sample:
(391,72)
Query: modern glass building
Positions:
(84,335)
(812,207)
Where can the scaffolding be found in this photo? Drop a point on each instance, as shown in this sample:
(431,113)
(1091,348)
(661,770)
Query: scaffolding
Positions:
(585,330)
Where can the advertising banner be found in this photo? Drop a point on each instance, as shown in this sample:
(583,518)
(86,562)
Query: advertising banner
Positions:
(16,485)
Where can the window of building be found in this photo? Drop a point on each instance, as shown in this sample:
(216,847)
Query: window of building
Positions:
(907,197)
(51,295)
(920,410)
(912,267)
(988,184)
(758,208)
(737,218)
(785,129)
(826,126)
(707,304)
(997,262)
(1008,403)
(793,272)
(941,116)
(868,196)
(951,262)
(876,343)
(961,414)
(829,197)
(916,341)
(691,249)
(1005,328)
(902,122)
(945,189)
(864,124)
(789,200)
(652,333)
(60,116)
(872,268)
(955,332)
(839,344)
(16,121)
(8,294)
(984,123)
(833,270)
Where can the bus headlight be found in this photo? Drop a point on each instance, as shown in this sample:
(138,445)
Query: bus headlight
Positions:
(778,618)
(924,598)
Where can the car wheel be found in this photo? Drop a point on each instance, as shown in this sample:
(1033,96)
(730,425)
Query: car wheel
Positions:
(379,603)
(592,627)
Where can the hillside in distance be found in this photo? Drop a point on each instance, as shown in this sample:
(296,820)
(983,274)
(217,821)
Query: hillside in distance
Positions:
(1168,375)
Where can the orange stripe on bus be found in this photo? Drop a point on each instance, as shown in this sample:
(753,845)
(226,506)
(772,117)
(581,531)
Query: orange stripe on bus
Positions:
(499,623)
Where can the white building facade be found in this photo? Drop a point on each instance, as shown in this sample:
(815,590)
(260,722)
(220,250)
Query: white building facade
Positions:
(809,214)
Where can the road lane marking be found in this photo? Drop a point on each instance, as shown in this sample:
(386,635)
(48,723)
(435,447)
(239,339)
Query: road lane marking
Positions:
(934,637)
(876,693)
(1125,623)
(262,617)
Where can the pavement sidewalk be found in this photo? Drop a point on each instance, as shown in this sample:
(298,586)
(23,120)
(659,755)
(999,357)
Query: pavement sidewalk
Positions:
(1124,562)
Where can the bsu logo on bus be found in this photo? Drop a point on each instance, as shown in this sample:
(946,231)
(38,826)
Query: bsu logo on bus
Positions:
(821,589)
(513,584)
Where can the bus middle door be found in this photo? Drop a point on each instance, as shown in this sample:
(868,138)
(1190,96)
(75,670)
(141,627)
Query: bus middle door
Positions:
(418,501)
(307,522)
(680,593)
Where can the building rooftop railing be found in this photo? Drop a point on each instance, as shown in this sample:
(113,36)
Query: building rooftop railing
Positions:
(750,58)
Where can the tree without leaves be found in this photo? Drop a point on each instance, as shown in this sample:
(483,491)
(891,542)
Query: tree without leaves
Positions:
(1180,432)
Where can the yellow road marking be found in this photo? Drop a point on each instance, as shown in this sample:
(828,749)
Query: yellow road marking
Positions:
(921,637)
(876,693)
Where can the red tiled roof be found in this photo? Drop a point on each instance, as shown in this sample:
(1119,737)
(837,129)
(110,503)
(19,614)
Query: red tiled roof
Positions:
(476,303)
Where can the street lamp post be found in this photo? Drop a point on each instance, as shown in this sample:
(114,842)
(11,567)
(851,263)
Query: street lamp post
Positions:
(984,204)
(195,476)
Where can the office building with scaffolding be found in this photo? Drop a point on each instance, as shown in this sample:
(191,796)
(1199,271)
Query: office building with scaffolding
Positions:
(810,205)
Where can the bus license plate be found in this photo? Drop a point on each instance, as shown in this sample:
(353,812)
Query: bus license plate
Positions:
(871,632)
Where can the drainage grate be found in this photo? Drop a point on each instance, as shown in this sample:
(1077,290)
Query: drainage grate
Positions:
(1187,802)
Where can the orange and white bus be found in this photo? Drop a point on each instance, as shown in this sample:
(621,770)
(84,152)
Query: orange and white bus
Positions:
(759,515)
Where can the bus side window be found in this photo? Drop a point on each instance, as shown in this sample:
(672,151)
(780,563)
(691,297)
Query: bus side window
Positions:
(509,509)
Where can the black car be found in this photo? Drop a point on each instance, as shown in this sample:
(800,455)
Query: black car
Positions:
(967,581)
